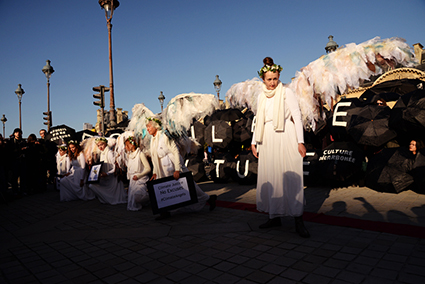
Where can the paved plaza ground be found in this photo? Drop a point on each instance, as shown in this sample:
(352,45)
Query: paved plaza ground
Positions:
(47,241)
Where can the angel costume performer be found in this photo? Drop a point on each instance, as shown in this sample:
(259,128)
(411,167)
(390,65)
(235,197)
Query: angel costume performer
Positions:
(280,189)
(137,165)
(166,159)
(70,188)
(109,190)
(63,165)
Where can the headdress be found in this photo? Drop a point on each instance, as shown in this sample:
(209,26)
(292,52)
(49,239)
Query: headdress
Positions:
(63,147)
(132,141)
(73,142)
(101,139)
(272,68)
(155,120)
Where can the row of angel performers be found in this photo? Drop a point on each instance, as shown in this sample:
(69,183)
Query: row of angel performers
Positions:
(135,156)
(90,170)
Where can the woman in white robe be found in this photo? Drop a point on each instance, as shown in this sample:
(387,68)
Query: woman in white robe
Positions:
(72,184)
(167,161)
(278,142)
(109,190)
(138,169)
(63,164)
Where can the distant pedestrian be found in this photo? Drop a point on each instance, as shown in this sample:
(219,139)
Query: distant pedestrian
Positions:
(18,171)
(35,175)
(48,160)
(3,167)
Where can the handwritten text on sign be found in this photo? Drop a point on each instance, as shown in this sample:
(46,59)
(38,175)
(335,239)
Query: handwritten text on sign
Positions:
(171,192)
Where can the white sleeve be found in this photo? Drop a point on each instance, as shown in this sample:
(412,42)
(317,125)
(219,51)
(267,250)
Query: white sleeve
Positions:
(81,160)
(146,166)
(292,102)
(111,160)
(253,141)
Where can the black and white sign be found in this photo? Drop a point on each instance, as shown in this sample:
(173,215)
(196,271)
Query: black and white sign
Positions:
(167,193)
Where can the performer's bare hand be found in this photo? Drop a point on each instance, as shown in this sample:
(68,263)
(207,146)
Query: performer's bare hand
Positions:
(254,150)
(176,175)
(301,149)
(135,177)
(153,177)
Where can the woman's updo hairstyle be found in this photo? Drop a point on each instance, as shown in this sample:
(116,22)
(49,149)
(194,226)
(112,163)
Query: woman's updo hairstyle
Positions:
(269,66)
(268,61)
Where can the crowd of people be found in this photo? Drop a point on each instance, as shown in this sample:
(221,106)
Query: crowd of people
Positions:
(29,166)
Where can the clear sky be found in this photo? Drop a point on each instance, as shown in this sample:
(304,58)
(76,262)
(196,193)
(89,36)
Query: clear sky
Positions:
(171,46)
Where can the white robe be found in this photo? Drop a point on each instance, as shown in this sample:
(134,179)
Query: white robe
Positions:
(166,160)
(280,188)
(63,165)
(137,165)
(70,188)
(109,190)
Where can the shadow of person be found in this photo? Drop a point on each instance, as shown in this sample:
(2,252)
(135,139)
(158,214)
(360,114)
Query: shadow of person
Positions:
(339,208)
(420,213)
(315,197)
(231,191)
(372,213)
(395,216)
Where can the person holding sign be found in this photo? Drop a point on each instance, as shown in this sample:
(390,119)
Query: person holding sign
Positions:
(167,161)
(278,141)
(138,169)
(109,190)
(72,184)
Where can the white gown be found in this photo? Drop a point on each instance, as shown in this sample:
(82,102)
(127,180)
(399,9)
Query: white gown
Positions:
(63,165)
(166,160)
(137,165)
(109,190)
(280,188)
(70,188)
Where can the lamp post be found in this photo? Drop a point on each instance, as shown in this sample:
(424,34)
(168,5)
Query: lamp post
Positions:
(48,71)
(109,6)
(3,119)
(161,99)
(331,45)
(20,92)
(217,86)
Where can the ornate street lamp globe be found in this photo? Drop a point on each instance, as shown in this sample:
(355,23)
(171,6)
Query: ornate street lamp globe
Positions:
(107,4)
(217,84)
(19,91)
(331,45)
(48,69)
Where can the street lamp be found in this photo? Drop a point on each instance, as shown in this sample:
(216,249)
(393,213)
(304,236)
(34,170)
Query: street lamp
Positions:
(217,86)
(3,119)
(20,92)
(161,99)
(109,6)
(331,45)
(48,71)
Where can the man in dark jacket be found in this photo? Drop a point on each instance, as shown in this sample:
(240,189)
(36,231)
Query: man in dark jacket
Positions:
(16,146)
